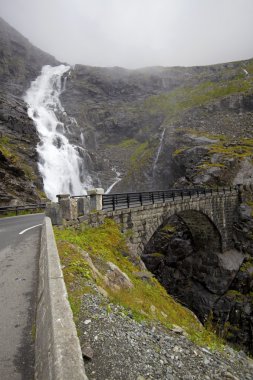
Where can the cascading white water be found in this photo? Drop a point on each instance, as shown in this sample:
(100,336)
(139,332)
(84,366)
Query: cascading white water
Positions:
(59,162)
(158,151)
(117,180)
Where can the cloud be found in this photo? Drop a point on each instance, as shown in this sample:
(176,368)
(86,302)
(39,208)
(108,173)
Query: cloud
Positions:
(136,33)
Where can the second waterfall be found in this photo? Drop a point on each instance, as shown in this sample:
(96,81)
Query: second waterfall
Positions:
(59,162)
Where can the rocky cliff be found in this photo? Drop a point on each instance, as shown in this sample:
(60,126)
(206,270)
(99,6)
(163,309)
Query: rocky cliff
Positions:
(198,119)
(20,63)
(157,127)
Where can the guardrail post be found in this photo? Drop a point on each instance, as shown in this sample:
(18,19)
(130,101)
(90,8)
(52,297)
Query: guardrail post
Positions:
(141,199)
(96,198)
(128,201)
(113,203)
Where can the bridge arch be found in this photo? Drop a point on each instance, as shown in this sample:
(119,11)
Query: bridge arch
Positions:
(204,232)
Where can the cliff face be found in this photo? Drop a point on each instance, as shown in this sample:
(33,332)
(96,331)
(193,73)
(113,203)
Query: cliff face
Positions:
(20,63)
(157,127)
(145,123)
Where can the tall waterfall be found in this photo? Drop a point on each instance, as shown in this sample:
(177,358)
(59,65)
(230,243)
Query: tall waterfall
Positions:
(59,162)
(158,151)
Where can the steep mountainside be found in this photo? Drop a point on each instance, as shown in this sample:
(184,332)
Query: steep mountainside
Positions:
(156,127)
(159,126)
(20,63)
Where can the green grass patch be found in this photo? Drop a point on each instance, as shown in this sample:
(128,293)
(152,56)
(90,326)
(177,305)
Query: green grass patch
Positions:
(128,143)
(21,212)
(147,299)
(183,98)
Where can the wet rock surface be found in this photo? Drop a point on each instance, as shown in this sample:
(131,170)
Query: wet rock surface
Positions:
(19,176)
(116,347)
(215,286)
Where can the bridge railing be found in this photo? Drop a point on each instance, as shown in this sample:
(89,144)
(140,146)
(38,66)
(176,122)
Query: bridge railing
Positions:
(18,209)
(128,200)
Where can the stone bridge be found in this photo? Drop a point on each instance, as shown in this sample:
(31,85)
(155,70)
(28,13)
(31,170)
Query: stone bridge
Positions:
(209,215)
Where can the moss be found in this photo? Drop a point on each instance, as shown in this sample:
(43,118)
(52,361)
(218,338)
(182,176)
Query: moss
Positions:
(140,159)
(235,294)
(206,165)
(9,150)
(128,143)
(106,243)
(76,273)
(169,230)
(157,254)
(229,150)
(179,151)
(21,212)
(183,98)
(247,265)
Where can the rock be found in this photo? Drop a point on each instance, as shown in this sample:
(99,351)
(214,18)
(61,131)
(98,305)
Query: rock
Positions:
(87,352)
(205,280)
(177,330)
(116,279)
(127,349)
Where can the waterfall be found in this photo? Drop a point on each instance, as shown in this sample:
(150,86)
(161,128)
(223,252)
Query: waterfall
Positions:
(117,179)
(60,164)
(158,152)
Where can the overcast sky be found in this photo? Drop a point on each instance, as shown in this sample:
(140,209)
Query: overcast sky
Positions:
(136,33)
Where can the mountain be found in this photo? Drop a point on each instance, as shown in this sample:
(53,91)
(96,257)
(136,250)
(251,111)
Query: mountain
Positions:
(141,130)
(204,115)
(20,63)
(157,127)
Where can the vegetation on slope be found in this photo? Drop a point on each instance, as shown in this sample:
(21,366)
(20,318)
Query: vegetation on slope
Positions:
(146,300)
(184,98)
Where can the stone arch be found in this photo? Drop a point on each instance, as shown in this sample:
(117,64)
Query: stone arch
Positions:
(203,229)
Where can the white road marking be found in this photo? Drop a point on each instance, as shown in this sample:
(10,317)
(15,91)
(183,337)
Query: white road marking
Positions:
(27,229)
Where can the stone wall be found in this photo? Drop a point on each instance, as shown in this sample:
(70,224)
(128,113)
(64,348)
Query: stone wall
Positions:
(141,222)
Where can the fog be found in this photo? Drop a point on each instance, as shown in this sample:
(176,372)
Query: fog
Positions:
(136,33)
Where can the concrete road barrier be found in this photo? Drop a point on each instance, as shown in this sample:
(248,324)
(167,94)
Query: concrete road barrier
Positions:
(57,349)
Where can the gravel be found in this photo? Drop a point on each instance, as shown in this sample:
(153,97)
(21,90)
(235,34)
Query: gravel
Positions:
(116,347)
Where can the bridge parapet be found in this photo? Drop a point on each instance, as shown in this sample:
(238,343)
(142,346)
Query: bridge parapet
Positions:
(141,214)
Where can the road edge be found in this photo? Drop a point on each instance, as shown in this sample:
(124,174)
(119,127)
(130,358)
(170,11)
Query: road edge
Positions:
(57,348)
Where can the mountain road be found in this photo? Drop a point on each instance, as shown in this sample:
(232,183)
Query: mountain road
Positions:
(19,256)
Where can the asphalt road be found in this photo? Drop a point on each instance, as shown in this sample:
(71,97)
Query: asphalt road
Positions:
(19,255)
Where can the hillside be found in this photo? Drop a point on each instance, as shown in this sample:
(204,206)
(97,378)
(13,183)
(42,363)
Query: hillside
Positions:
(157,127)
(123,115)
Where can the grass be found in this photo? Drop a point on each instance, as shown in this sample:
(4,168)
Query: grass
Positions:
(183,98)
(147,300)
(9,150)
(20,212)
(224,146)
(128,143)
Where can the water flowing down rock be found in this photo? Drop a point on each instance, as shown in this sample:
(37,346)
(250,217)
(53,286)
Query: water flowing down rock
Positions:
(60,163)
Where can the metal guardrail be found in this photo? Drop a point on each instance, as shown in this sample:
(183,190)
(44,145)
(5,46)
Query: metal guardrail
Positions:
(17,209)
(128,200)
